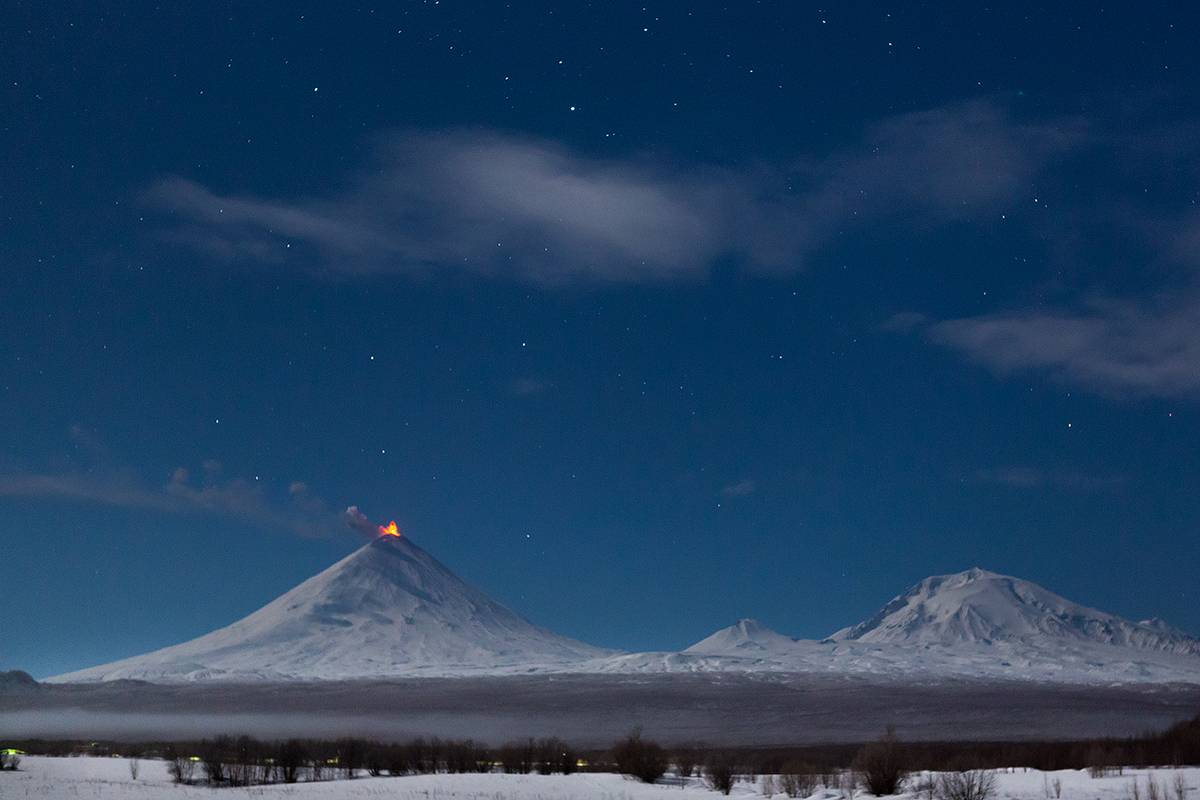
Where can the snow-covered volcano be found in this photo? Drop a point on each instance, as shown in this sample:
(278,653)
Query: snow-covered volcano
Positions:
(745,638)
(387,609)
(972,624)
(981,607)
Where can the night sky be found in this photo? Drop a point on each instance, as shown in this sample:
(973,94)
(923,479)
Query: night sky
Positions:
(640,317)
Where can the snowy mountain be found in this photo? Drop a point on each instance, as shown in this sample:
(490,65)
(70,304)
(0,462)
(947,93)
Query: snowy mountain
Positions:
(973,624)
(386,610)
(981,607)
(747,638)
(391,610)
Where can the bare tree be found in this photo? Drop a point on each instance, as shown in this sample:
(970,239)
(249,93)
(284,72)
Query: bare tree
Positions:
(289,758)
(212,757)
(640,758)
(720,773)
(350,755)
(849,781)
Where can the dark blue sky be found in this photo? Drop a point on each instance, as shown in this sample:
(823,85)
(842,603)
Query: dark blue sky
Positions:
(640,317)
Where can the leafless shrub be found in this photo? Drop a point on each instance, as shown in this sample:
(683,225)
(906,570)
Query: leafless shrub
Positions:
(881,765)
(798,782)
(642,759)
(720,774)
(1180,786)
(135,766)
(767,786)
(180,765)
(686,761)
(972,784)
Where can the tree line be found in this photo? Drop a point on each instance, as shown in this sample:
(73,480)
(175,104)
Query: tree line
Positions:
(246,761)
(876,766)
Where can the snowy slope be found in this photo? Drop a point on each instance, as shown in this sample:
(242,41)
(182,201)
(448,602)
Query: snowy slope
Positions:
(387,609)
(981,607)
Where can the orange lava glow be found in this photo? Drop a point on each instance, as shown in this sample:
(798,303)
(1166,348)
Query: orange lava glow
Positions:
(389,530)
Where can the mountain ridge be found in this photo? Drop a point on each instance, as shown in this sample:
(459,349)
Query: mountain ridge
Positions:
(983,607)
(391,610)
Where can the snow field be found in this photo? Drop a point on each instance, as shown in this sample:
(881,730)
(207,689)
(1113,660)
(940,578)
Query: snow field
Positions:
(44,778)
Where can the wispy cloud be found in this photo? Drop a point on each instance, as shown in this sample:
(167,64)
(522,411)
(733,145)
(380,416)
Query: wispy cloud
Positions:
(528,386)
(1019,477)
(512,206)
(739,489)
(301,512)
(1148,347)
(120,490)
(1133,342)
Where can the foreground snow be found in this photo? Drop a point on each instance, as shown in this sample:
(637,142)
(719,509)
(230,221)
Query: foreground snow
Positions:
(105,778)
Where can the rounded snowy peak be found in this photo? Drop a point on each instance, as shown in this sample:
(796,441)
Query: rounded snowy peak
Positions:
(744,637)
(982,607)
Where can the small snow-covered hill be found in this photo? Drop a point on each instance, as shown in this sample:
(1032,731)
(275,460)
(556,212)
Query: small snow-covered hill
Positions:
(746,637)
(981,607)
(387,609)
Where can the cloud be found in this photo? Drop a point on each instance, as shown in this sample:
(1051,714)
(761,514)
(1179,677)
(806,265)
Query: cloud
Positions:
(939,165)
(1143,347)
(904,322)
(511,206)
(1034,478)
(739,489)
(118,490)
(525,387)
(301,513)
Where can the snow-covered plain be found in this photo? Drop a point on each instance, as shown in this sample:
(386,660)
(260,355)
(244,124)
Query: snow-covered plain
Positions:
(109,779)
